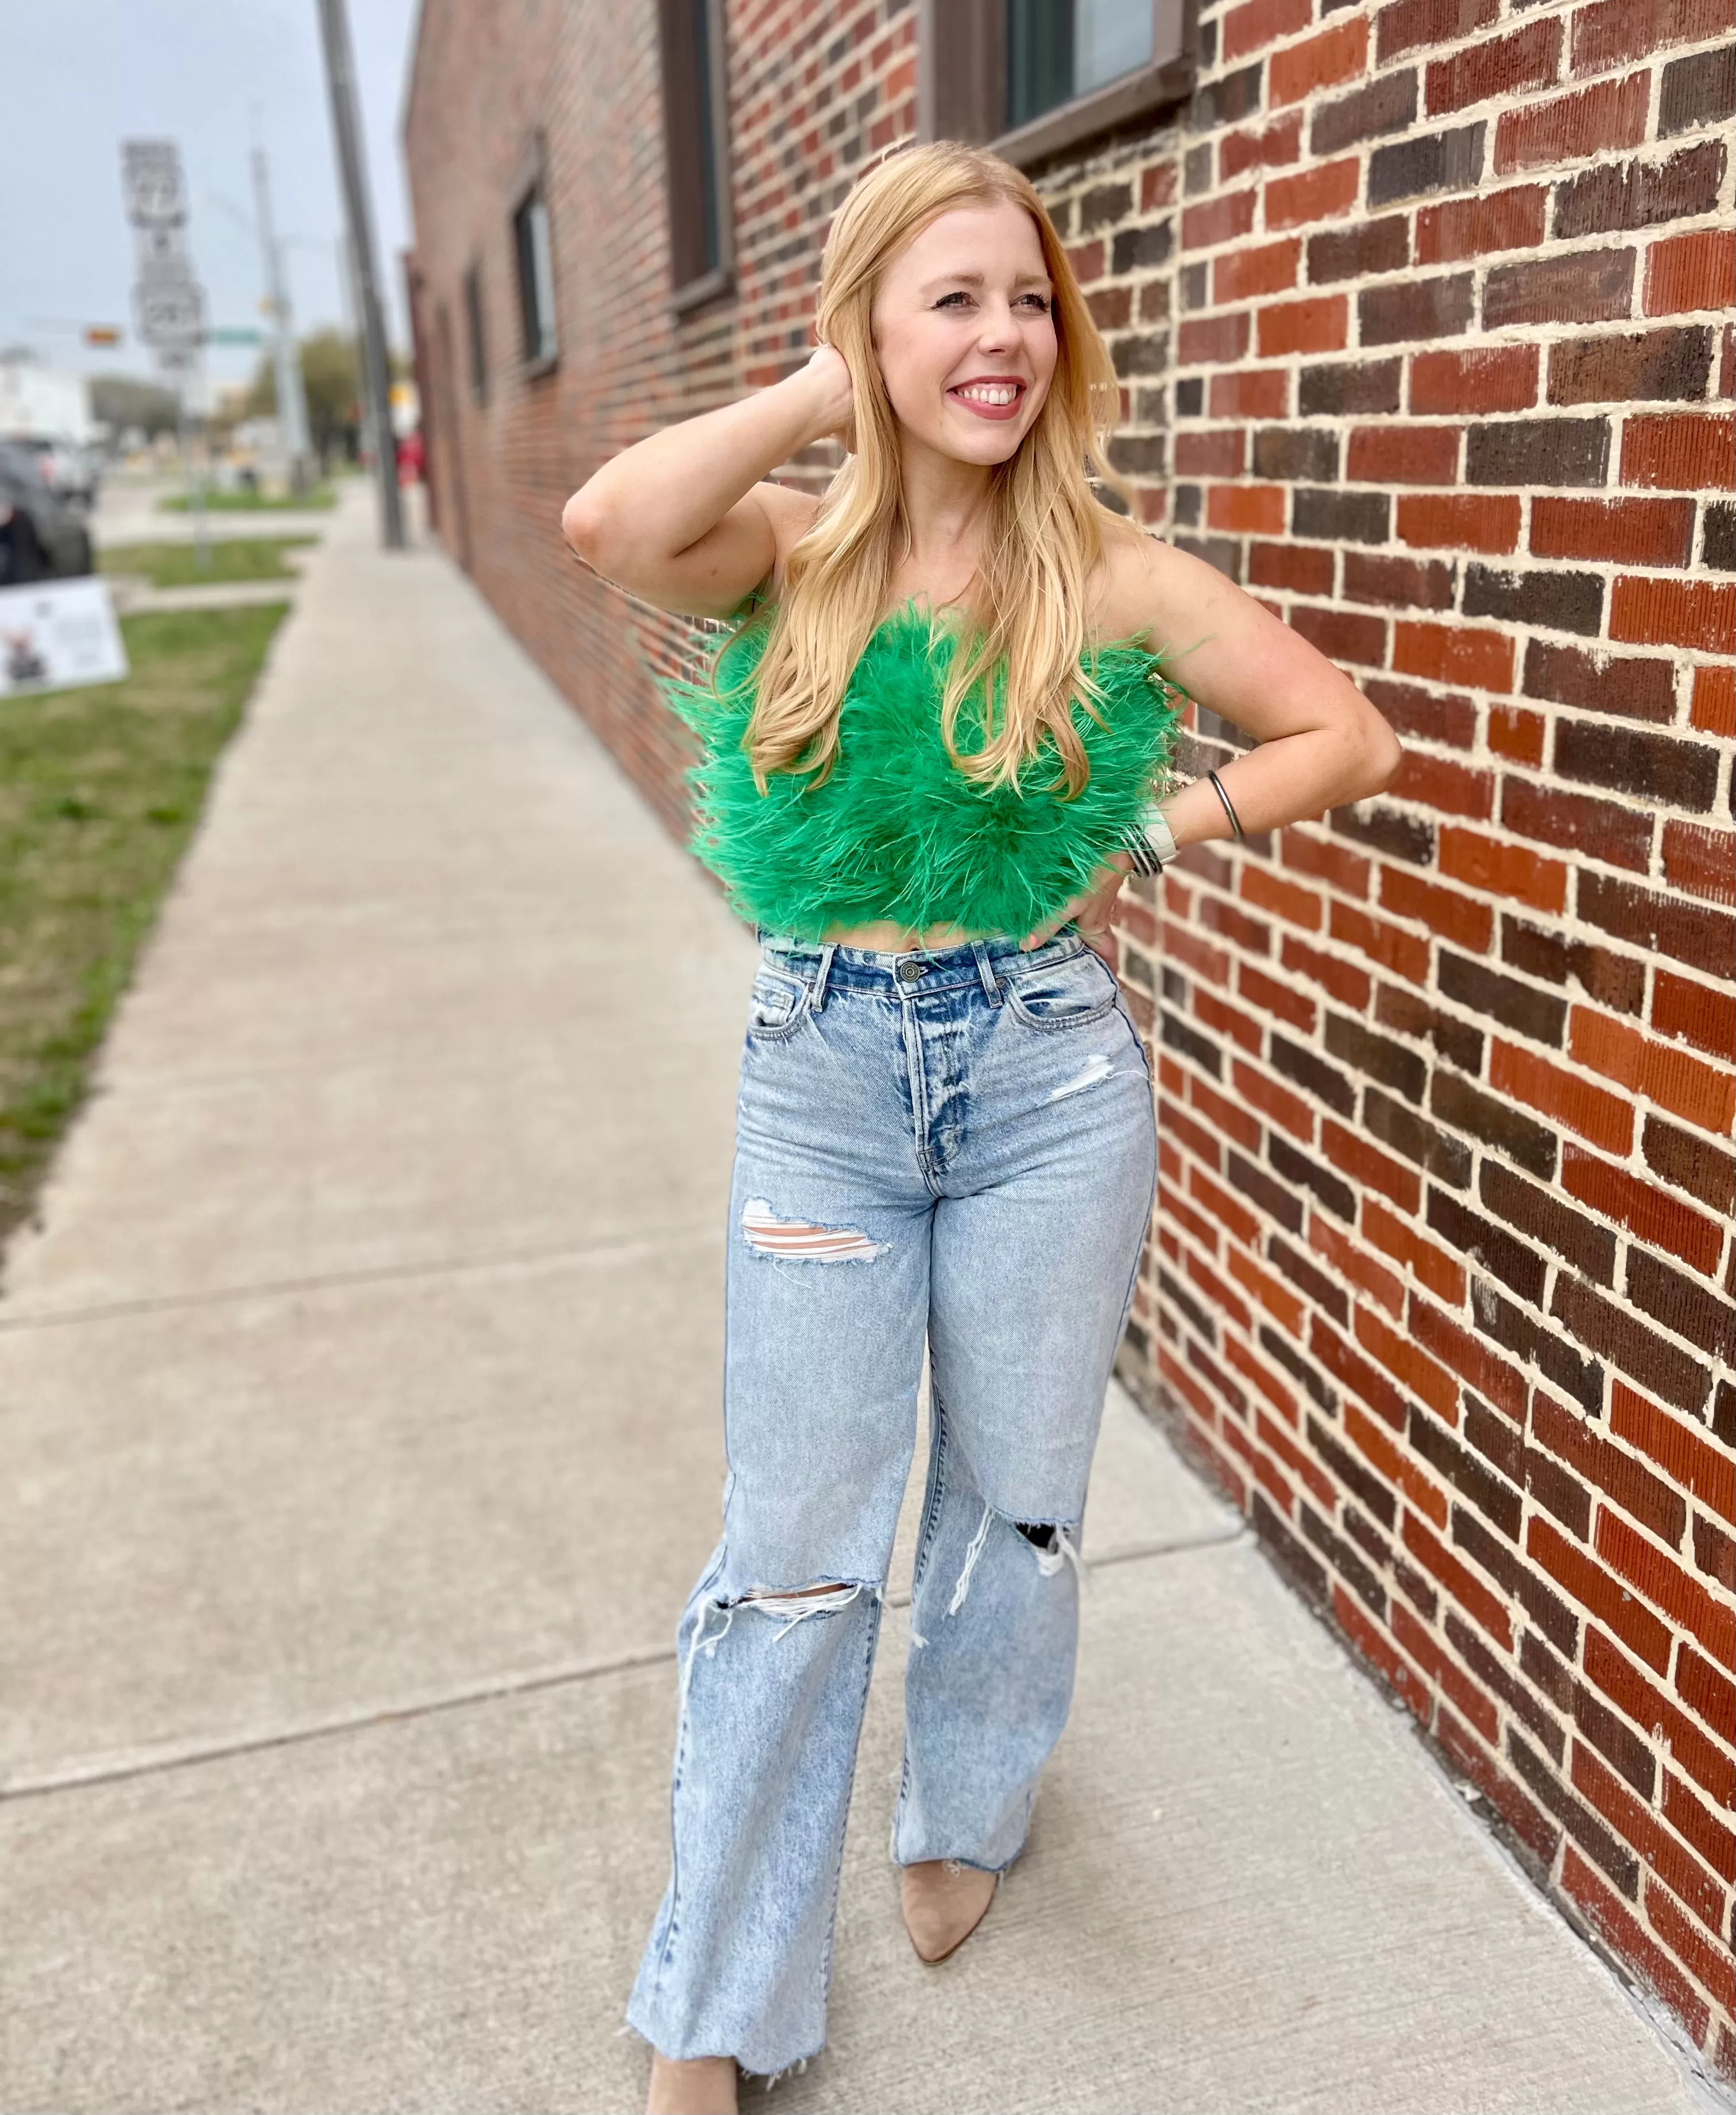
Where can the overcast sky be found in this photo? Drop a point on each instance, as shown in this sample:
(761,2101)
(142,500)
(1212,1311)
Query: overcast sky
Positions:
(78,76)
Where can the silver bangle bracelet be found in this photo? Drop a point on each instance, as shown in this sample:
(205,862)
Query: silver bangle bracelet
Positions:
(1151,843)
(1235,820)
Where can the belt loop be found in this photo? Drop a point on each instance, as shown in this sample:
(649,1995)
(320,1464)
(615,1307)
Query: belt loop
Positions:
(985,970)
(827,950)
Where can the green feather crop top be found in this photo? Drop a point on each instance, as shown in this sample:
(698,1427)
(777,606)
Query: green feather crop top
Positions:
(896,831)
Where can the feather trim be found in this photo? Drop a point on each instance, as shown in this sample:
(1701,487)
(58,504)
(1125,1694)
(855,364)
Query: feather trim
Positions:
(896,831)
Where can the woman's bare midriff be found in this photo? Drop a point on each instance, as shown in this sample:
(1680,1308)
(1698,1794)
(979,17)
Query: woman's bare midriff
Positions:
(886,938)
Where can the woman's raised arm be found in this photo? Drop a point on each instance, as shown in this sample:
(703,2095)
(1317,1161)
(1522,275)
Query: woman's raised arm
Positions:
(682,519)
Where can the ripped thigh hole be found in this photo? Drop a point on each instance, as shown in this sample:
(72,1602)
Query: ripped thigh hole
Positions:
(801,1240)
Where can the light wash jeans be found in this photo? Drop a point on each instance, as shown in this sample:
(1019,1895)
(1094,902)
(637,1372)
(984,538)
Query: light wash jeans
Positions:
(958,1147)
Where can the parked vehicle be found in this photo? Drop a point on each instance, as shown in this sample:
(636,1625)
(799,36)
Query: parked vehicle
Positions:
(73,472)
(41,535)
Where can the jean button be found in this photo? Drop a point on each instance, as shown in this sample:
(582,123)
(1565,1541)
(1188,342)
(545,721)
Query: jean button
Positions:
(908,972)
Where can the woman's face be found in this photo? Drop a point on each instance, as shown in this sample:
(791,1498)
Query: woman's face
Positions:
(964,330)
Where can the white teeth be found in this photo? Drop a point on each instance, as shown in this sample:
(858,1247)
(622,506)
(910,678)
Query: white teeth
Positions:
(980,394)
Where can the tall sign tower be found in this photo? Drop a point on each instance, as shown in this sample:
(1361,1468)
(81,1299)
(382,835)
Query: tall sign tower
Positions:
(168,302)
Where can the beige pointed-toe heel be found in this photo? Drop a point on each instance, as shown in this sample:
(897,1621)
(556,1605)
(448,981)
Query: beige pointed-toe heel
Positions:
(943,1902)
(696,2085)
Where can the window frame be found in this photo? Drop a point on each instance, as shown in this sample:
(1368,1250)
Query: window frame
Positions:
(537,289)
(475,331)
(681,165)
(961,82)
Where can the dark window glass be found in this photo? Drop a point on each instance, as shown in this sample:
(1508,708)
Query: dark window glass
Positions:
(711,247)
(474,333)
(1058,49)
(536,276)
(693,98)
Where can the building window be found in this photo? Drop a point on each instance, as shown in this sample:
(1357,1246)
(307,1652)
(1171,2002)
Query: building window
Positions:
(535,277)
(1038,77)
(1058,49)
(696,123)
(474,334)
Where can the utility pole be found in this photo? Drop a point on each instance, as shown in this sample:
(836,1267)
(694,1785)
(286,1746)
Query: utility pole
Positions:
(351,304)
(291,398)
(340,69)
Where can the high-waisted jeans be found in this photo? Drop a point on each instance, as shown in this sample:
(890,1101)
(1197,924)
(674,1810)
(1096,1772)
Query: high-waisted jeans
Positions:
(955,1147)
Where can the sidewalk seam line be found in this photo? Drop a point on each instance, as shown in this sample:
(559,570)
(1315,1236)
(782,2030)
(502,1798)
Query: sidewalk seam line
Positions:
(491,1692)
(378,1274)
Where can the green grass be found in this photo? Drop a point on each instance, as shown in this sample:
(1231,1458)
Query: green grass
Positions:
(175,564)
(254,503)
(100,790)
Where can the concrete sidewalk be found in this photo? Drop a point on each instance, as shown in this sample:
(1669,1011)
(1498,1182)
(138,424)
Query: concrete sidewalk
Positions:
(360,1416)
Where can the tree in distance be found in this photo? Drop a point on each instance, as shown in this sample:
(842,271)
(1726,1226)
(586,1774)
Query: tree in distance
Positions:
(123,402)
(331,379)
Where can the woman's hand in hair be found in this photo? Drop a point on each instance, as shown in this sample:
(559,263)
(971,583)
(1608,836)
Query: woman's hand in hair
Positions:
(1093,913)
(689,518)
(835,411)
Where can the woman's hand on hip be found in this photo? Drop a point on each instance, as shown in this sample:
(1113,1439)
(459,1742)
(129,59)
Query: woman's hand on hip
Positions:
(1093,912)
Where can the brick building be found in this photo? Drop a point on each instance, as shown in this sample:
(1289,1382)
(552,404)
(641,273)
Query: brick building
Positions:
(1423,311)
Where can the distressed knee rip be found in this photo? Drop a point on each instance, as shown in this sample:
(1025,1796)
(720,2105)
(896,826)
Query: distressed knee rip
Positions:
(1053,1545)
(788,1608)
(800,1240)
(1048,1540)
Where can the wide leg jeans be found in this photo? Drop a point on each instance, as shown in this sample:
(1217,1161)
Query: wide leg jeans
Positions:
(954,1149)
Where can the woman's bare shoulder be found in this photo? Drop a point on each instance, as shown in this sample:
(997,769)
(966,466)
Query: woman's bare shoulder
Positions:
(1120,604)
(1147,586)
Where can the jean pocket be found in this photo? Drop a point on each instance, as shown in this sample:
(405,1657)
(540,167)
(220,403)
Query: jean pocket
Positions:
(778,1003)
(1071,994)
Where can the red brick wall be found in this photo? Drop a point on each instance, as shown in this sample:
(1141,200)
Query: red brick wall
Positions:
(814,92)
(1421,313)
(1441,1284)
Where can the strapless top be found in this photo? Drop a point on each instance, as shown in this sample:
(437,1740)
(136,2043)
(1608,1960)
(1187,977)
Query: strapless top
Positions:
(896,831)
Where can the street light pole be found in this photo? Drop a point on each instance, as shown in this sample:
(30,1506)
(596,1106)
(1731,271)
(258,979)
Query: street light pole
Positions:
(291,399)
(340,70)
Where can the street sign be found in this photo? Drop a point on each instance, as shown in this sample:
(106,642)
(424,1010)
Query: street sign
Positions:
(170,313)
(168,302)
(151,175)
(234,334)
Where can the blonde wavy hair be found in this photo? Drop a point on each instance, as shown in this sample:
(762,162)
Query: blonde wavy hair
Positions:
(1044,531)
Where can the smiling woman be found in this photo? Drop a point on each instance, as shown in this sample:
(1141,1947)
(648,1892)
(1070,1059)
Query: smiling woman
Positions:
(926,748)
(950,495)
